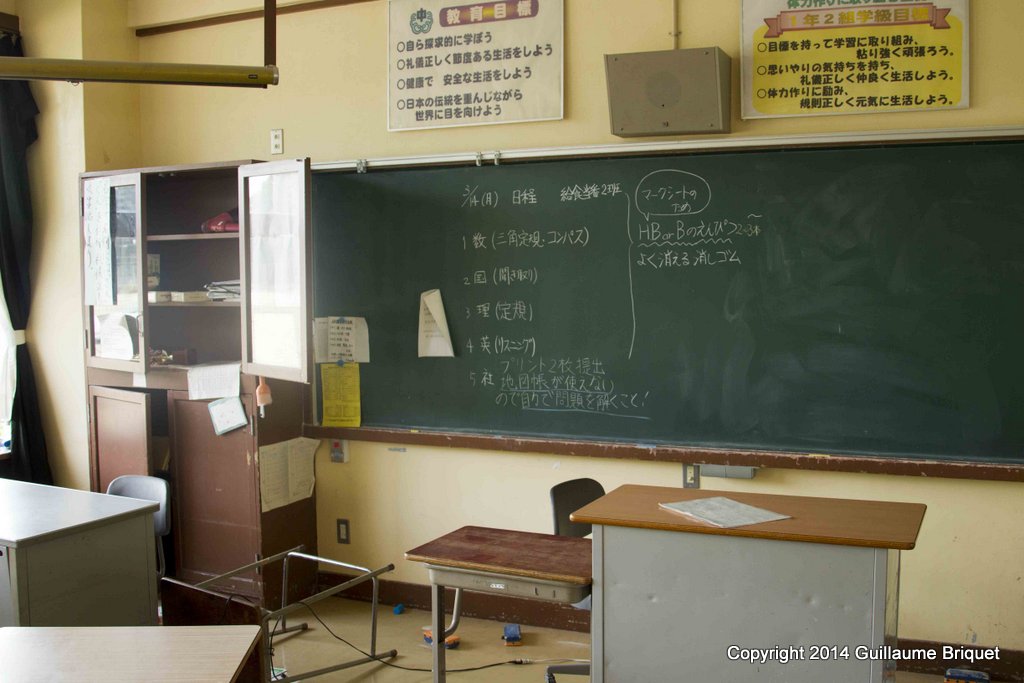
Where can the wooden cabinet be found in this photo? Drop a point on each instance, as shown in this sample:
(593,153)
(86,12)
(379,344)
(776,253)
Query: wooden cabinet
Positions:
(218,521)
(142,239)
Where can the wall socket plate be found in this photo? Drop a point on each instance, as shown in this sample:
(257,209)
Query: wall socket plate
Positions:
(277,140)
(343,536)
(339,450)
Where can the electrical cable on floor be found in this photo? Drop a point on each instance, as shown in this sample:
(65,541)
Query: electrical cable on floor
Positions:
(233,597)
(409,668)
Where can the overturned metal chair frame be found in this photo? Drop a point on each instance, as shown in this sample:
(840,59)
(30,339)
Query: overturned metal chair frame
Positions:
(274,623)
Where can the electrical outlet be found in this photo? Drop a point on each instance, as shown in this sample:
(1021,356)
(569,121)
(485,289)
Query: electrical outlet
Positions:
(277,140)
(339,450)
(343,536)
(691,476)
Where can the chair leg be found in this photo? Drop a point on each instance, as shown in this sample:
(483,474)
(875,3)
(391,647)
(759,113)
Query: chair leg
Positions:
(161,567)
(577,668)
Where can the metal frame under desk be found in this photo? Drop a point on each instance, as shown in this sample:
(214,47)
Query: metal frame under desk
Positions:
(274,622)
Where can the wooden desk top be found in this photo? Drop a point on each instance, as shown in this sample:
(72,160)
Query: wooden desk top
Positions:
(31,513)
(104,654)
(518,553)
(868,523)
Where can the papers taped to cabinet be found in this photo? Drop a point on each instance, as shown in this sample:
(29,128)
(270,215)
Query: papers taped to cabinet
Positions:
(214,380)
(227,414)
(286,472)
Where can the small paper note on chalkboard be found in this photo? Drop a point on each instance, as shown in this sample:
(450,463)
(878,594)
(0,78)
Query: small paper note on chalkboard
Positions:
(434,338)
(722,512)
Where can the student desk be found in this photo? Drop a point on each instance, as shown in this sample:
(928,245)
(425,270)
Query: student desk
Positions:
(672,595)
(199,654)
(75,558)
(528,565)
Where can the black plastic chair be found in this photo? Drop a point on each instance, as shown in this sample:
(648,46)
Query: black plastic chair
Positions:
(566,498)
(154,489)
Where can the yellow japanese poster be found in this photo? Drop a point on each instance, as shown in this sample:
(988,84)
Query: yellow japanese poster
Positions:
(340,394)
(808,57)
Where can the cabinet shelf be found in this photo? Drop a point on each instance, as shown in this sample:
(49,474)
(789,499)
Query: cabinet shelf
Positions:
(196,304)
(193,236)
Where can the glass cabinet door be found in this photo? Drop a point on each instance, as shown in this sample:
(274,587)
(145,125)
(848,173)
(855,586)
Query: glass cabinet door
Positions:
(113,248)
(274,212)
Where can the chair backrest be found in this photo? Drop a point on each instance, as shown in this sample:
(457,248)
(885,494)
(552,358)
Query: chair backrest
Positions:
(568,497)
(146,488)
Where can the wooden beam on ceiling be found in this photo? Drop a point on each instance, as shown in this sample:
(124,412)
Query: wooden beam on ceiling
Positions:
(240,16)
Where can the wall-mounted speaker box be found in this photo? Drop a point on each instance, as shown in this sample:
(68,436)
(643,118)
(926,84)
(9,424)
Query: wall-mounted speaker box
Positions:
(669,92)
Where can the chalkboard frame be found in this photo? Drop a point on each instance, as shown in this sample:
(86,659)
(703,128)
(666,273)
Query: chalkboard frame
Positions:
(873,464)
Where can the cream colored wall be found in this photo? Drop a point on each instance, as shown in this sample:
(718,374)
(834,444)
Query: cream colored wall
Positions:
(53,28)
(964,581)
(331,102)
(94,126)
(111,109)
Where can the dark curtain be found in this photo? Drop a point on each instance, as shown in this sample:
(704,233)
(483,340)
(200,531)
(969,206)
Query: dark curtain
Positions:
(28,460)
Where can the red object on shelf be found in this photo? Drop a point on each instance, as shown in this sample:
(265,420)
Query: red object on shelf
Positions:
(222,222)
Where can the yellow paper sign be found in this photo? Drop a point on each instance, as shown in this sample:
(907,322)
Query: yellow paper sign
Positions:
(340,392)
(832,58)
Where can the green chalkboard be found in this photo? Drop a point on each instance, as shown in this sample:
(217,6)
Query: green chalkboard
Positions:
(863,300)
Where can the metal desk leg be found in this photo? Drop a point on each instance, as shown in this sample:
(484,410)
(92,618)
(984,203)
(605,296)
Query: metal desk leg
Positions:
(437,631)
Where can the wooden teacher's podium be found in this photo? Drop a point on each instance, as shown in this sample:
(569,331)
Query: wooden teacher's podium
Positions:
(810,598)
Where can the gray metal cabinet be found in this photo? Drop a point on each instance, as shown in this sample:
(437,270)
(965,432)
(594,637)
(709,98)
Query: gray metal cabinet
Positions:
(6,594)
(75,558)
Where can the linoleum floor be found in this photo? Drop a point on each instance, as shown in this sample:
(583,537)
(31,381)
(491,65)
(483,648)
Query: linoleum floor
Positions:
(480,644)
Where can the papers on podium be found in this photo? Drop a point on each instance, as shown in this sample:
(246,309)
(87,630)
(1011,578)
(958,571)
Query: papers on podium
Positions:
(722,512)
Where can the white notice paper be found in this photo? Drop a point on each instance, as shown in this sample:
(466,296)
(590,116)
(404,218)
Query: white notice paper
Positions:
(286,472)
(474,63)
(343,338)
(216,380)
(722,512)
(117,337)
(434,339)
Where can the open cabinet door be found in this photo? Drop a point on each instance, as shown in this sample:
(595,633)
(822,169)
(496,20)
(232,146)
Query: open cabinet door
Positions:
(274,213)
(120,428)
(113,276)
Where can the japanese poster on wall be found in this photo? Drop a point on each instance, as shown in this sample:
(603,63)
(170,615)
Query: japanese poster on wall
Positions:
(809,57)
(453,64)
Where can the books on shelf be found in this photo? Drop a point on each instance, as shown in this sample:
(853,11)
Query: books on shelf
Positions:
(188,297)
(224,290)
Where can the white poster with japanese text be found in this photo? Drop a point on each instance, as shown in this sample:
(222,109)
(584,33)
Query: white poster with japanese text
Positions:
(812,57)
(454,64)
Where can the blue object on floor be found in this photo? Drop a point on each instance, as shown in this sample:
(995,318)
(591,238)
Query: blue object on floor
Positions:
(965,676)
(450,643)
(512,635)
(399,608)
